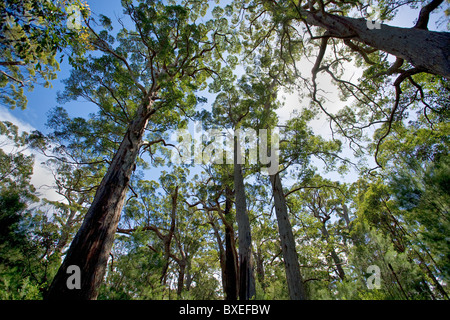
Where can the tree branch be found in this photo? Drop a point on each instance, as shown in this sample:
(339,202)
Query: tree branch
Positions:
(424,15)
(398,92)
(12,78)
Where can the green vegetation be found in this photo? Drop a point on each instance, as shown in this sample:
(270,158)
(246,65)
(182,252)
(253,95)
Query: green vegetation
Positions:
(142,226)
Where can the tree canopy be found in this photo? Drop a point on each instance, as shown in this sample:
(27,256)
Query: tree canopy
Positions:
(276,209)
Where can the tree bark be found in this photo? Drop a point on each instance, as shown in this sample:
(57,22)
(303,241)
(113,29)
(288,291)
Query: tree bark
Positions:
(231,257)
(180,284)
(246,275)
(424,49)
(290,257)
(92,244)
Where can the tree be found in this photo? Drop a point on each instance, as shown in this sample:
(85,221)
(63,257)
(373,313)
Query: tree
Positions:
(169,52)
(333,18)
(141,227)
(230,111)
(324,33)
(20,268)
(16,167)
(32,34)
(209,193)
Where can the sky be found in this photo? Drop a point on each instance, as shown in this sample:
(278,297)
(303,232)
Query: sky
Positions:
(42,100)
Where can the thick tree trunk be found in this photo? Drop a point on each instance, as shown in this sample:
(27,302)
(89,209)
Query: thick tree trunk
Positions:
(92,244)
(290,257)
(246,275)
(231,257)
(424,49)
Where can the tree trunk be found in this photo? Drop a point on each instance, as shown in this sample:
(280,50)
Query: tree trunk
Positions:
(424,49)
(246,276)
(231,257)
(180,284)
(290,257)
(92,244)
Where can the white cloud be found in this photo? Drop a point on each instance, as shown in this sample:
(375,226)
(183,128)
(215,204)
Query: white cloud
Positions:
(5,115)
(42,177)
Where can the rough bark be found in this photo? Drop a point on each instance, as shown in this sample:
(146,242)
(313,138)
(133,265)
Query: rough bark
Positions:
(92,244)
(426,50)
(246,275)
(231,257)
(290,257)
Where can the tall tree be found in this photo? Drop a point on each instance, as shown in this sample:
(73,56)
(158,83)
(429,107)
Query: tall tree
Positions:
(230,111)
(169,52)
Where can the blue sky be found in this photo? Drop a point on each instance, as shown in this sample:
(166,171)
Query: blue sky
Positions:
(41,99)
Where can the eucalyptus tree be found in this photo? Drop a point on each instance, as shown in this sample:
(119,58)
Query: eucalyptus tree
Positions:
(162,223)
(243,108)
(361,35)
(234,109)
(155,69)
(320,42)
(415,158)
(265,92)
(78,151)
(323,199)
(21,270)
(298,146)
(32,34)
(16,168)
(213,193)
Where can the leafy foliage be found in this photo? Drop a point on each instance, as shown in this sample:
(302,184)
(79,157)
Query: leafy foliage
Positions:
(32,33)
(178,232)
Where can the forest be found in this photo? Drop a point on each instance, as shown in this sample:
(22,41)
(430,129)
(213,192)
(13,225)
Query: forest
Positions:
(233,150)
